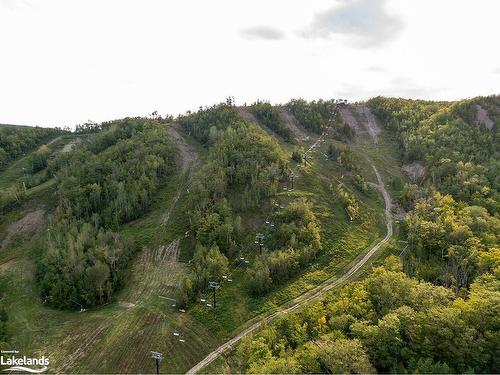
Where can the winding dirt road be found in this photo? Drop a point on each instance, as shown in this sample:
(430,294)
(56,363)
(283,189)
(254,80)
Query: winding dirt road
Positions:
(313,293)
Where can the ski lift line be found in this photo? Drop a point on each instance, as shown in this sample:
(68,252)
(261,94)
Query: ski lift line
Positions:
(325,131)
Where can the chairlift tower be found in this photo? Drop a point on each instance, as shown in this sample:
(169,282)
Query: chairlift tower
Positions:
(259,239)
(214,285)
(292,177)
(158,357)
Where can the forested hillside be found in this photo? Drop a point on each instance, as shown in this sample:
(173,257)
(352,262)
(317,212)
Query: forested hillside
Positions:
(441,314)
(106,181)
(453,221)
(385,323)
(340,242)
(244,170)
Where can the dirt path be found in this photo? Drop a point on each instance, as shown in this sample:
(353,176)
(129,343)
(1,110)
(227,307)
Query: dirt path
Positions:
(166,216)
(54,140)
(188,161)
(312,294)
(187,154)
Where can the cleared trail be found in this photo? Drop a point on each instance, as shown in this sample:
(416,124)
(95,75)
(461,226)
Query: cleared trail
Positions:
(314,293)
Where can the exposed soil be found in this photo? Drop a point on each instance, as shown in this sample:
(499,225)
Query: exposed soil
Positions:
(350,120)
(188,160)
(187,154)
(69,146)
(369,122)
(415,171)
(168,253)
(482,118)
(290,122)
(246,115)
(28,224)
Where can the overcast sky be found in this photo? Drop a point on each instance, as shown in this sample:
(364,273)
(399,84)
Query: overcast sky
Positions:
(63,62)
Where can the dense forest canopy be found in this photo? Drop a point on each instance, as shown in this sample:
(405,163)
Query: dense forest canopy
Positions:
(386,323)
(314,116)
(461,158)
(107,180)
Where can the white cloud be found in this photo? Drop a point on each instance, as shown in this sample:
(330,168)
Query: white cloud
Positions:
(366,22)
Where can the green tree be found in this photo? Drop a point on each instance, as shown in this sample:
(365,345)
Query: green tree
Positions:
(345,356)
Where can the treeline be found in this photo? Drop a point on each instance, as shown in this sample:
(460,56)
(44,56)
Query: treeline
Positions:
(15,141)
(453,222)
(111,179)
(206,124)
(269,116)
(314,115)
(386,323)
(104,182)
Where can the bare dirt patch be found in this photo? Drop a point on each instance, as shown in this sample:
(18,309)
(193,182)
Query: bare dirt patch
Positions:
(69,146)
(350,120)
(168,253)
(128,305)
(187,154)
(482,118)
(370,122)
(415,171)
(246,115)
(166,216)
(291,123)
(28,224)
(188,160)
